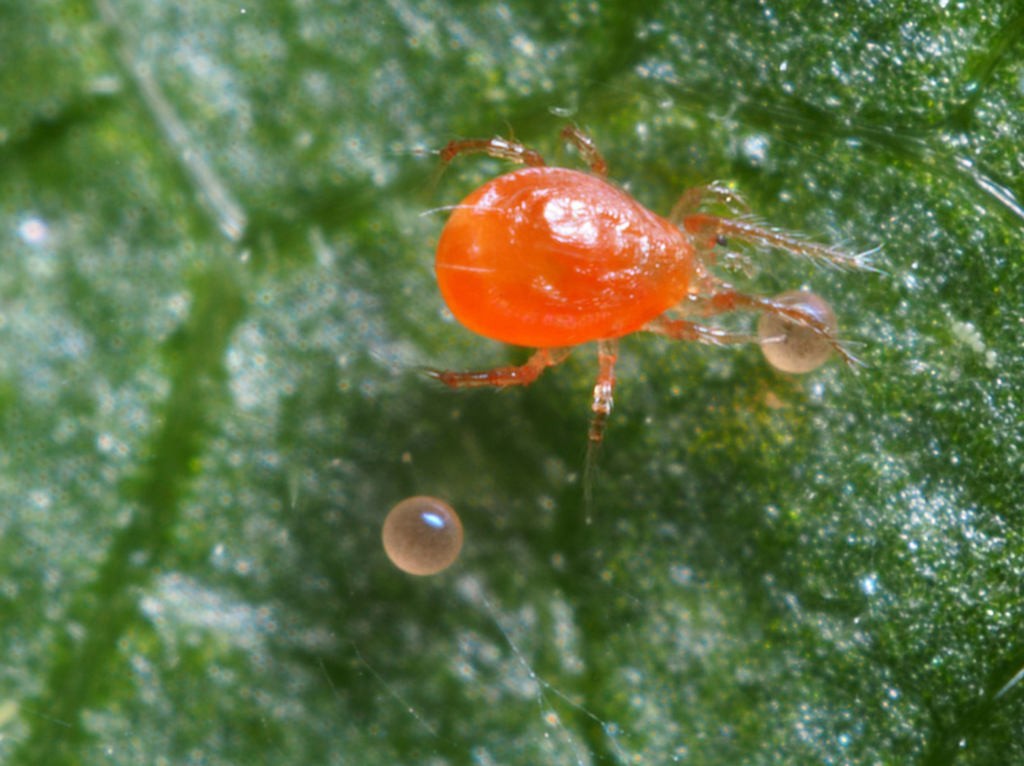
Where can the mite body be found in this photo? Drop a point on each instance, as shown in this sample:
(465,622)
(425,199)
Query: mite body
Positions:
(550,257)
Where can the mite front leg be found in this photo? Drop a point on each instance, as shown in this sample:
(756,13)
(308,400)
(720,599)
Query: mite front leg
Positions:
(725,298)
(693,200)
(709,230)
(509,375)
(681,329)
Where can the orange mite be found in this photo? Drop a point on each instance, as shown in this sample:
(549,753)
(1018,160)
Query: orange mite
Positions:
(550,258)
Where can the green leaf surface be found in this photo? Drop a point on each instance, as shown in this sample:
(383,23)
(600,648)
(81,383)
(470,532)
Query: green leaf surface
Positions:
(217,223)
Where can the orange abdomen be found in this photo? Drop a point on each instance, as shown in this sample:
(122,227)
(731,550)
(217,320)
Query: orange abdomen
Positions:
(548,257)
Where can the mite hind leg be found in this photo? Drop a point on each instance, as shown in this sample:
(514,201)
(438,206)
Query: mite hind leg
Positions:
(501,148)
(601,407)
(604,388)
(508,375)
(587,148)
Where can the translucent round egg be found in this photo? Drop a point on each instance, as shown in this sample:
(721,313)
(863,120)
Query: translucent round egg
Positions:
(791,347)
(422,535)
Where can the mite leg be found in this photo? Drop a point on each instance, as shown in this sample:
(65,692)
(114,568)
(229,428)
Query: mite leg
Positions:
(710,230)
(587,148)
(681,329)
(510,375)
(501,148)
(726,298)
(692,200)
(607,355)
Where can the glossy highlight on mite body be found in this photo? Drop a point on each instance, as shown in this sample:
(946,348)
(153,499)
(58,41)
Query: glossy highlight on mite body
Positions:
(551,258)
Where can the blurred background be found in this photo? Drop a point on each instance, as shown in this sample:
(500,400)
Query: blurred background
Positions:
(217,301)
